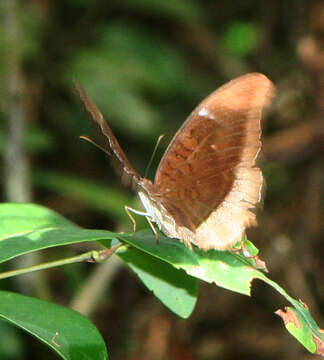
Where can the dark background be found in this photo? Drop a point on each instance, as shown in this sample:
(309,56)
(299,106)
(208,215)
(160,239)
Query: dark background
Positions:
(147,64)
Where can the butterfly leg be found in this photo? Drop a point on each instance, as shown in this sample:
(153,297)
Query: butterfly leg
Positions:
(128,212)
(155,233)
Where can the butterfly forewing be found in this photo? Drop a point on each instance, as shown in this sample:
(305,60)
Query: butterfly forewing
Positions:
(207,179)
(112,148)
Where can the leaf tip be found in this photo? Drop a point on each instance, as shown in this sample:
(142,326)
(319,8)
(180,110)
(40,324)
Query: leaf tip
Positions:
(319,344)
(289,316)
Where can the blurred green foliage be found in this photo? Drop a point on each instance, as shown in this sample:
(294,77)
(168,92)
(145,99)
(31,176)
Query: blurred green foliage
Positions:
(11,347)
(241,38)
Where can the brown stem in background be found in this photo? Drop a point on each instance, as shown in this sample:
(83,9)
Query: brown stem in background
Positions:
(17,186)
(16,173)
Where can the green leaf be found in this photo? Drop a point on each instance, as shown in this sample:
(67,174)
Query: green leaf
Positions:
(65,331)
(174,288)
(233,272)
(225,269)
(300,323)
(29,227)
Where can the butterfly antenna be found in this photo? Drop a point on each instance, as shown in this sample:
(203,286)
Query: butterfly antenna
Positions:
(153,154)
(84,137)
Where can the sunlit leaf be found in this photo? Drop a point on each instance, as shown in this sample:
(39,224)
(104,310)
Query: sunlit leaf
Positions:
(29,227)
(224,268)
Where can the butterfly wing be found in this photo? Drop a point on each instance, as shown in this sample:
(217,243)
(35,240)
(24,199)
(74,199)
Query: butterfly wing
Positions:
(207,179)
(113,149)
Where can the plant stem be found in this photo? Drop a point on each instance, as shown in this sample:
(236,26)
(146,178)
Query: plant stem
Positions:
(90,256)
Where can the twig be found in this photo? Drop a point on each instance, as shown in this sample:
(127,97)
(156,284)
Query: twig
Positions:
(90,256)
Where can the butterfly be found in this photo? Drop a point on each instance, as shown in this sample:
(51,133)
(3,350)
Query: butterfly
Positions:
(207,186)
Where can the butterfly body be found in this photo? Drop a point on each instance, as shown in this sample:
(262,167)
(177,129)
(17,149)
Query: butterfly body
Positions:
(207,185)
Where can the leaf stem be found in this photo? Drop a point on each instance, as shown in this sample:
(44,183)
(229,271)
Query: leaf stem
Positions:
(90,256)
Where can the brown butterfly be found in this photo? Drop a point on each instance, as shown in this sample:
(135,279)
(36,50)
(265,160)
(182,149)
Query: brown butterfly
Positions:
(207,185)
